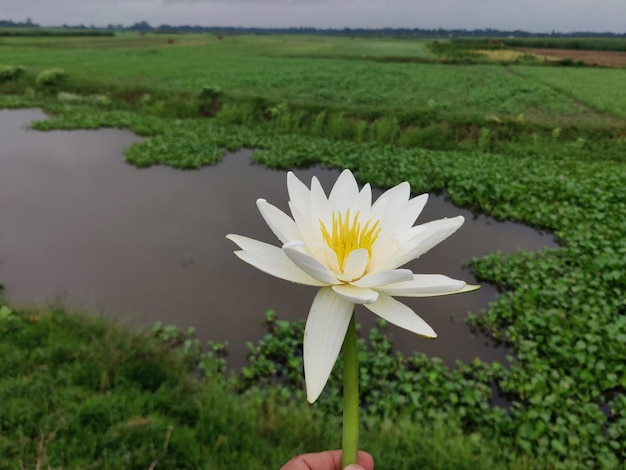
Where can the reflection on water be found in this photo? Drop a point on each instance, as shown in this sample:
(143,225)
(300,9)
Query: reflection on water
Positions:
(79,225)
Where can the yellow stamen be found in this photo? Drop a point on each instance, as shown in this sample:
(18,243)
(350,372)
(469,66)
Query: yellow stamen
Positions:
(345,236)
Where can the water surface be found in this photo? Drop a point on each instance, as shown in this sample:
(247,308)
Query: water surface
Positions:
(80,226)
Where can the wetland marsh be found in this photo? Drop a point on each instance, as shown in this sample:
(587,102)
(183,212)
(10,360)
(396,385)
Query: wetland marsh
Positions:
(541,144)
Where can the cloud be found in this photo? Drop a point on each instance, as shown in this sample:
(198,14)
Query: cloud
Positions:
(530,15)
(261,2)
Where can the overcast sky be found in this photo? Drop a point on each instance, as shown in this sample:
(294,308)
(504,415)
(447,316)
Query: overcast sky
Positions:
(529,15)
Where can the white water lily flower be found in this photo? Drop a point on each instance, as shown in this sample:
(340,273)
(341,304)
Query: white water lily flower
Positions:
(351,249)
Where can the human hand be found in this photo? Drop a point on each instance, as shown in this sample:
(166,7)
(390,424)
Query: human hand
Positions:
(328,460)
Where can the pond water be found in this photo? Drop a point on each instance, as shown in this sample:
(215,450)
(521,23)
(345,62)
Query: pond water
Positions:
(80,226)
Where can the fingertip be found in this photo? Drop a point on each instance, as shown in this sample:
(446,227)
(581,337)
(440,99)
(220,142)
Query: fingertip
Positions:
(366,461)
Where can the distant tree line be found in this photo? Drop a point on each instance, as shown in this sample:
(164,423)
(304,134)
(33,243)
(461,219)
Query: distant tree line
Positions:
(13,24)
(28,28)
(378,32)
(145,27)
(12,32)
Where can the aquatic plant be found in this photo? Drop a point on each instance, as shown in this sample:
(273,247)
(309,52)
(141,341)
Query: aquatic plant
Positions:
(51,77)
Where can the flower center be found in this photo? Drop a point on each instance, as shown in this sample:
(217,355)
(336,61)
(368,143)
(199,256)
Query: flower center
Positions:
(347,235)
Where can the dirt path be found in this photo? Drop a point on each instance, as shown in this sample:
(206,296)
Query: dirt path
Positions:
(604,58)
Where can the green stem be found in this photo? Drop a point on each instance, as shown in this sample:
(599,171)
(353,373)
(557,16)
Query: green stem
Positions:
(350,445)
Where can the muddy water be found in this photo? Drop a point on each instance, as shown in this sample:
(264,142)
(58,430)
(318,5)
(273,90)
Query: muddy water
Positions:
(80,226)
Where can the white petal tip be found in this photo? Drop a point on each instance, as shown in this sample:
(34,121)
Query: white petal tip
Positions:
(313,392)
(451,222)
(293,244)
(311,399)
(357,295)
(467,288)
(426,332)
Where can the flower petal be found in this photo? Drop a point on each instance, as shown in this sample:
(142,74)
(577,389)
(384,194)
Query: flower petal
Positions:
(399,314)
(357,295)
(426,285)
(344,191)
(246,243)
(393,197)
(402,218)
(327,254)
(398,204)
(297,190)
(355,265)
(426,236)
(308,264)
(280,223)
(362,204)
(383,278)
(271,260)
(325,330)
(303,221)
(319,210)
(299,201)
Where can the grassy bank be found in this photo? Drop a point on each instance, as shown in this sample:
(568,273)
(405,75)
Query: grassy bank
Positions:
(79,392)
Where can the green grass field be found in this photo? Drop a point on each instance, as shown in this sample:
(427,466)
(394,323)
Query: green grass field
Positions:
(596,88)
(540,144)
(334,72)
(78,392)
